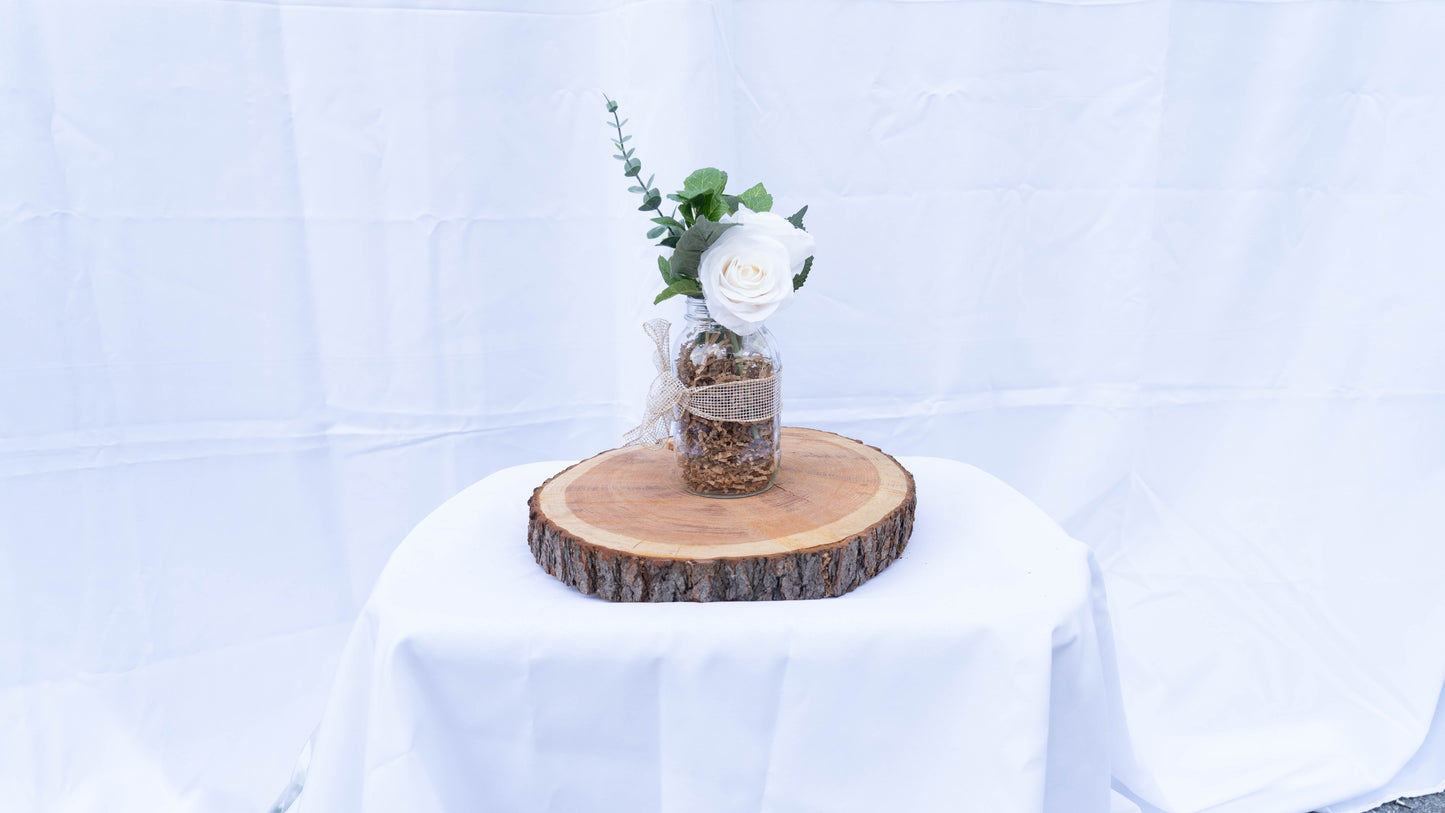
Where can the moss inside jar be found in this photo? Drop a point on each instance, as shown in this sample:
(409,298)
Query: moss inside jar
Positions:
(718,457)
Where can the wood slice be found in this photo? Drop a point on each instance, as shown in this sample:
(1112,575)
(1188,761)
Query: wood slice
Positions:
(621,526)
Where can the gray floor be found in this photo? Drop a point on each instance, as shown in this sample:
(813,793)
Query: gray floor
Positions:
(1435,803)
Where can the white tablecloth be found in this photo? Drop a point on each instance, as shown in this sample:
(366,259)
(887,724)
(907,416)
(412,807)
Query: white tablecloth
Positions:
(968,676)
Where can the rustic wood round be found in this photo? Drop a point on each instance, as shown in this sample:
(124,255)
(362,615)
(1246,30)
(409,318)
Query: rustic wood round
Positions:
(621,526)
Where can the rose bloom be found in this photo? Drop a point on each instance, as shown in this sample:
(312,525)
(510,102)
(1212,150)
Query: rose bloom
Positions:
(747,274)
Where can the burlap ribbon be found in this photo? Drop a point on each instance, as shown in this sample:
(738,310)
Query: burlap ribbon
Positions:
(747,401)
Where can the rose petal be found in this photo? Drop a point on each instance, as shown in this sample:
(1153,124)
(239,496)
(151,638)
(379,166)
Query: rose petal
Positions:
(746,276)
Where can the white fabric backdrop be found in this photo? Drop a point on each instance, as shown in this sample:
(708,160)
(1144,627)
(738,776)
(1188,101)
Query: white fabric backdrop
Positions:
(278,278)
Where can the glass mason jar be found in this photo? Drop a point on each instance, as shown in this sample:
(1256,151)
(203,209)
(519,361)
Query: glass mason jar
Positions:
(727,458)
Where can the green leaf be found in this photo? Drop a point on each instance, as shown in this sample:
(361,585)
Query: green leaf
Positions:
(639,190)
(699,206)
(696,195)
(678,198)
(611,105)
(619,157)
(688,287)
(714,207)
(732,201)
(626,139)
(666,269)
(802,276)
(670,223)
(707,180)
(655,232)
(670,242)
(757,199)
(797,218)
(693,243)
(651,202)
(632,168)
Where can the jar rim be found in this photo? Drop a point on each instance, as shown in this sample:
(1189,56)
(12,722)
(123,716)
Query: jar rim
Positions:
(697,308)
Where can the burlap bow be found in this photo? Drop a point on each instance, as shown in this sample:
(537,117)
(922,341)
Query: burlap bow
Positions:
(747,401)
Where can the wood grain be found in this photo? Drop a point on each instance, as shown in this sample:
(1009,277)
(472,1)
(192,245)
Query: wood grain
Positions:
(621,526)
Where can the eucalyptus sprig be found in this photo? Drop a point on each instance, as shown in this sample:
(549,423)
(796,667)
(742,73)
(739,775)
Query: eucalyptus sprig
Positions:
(694,224)
(632,168)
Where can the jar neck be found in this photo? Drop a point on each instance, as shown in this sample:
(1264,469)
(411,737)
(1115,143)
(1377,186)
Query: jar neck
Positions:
(697,310)
(698,314)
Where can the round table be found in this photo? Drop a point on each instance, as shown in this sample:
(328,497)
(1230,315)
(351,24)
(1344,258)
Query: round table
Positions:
(967,676)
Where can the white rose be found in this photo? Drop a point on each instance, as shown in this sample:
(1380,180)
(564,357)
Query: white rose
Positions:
(747,274)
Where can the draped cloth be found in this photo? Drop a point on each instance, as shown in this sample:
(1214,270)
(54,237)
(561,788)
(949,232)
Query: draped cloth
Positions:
(972,674)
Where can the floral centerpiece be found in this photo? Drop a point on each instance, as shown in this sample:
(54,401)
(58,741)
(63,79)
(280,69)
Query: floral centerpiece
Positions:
(738,263)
